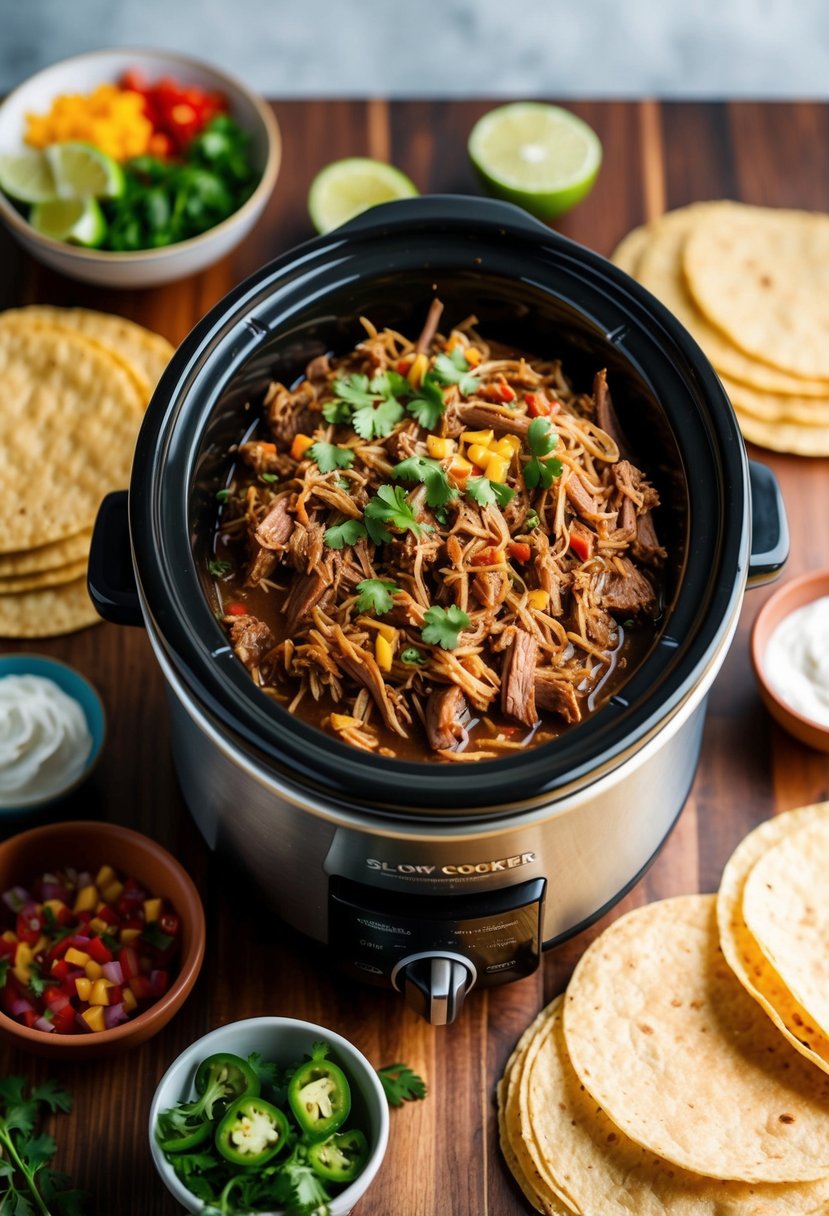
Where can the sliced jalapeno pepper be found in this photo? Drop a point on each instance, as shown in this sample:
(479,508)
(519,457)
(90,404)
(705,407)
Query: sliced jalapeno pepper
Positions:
(341,1157)
(222,1078)
(319,1095)
(180,1141)
(251,1131)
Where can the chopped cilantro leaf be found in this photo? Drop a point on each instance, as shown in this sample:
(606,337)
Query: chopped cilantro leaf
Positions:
(401,1084)
(486,493)
(37,981)
(222,495)
(427,405)
(443,626)
(353,390)
(377,421)
(4,971)
(373,404)
(389,506)
(328,456)
(152,935)
(375,595)
(219,568)
(346,533)
(336,411)
(412,656)
(269,478)
(432,474)
(454,369)
(539,470)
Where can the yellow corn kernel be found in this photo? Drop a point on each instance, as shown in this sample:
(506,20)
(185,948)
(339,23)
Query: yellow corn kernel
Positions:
(386,631)
(99,995)
(83,987)
(76,957)
(496,468)
(460,469)
(129,1001)
(344,721)
(94,1017)
(383,653)
(504,448)
(23,959)
(99,926)
(479,454)
(86,900)
(113,891)
(482,437)
(128,935)
(104,877)
(418,370)
(473,356)
(55,906)
(512,440)
(300,446)
(538,599)
(152,909)
(439,448)
(93,970)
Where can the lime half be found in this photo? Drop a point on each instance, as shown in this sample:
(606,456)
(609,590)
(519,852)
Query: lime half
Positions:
(84,171)
(537,155)
(77,220)
(345,188)
(27,176)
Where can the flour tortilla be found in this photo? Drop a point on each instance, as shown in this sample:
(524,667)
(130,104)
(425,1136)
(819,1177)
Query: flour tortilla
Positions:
(681,1059)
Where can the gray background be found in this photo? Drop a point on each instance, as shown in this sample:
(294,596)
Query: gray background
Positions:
(553,48)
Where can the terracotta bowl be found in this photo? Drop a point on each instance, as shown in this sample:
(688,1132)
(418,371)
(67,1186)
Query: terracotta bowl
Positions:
(88,844)
(791,596)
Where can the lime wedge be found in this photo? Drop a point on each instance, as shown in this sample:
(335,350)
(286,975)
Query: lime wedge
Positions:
(84,171)
(537,155)
(27,177)
(77,220)
(345,188)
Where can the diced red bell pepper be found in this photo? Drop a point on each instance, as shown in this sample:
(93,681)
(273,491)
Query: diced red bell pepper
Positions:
(490,556)
(7,949)
(60,969)
(64,1022)
(537,405)
(106,914)
(581,546)
(28,1017)
(28,927)
(520,550)
(50,995)
(130,963)
(169,923)
(235,609)
(159,982)
(141,987)
(98,951)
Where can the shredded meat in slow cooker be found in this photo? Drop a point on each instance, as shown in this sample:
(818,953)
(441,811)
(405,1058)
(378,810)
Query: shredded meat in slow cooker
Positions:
(437,549)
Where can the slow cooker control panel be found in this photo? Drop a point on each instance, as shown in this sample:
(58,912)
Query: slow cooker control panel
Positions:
(375,934)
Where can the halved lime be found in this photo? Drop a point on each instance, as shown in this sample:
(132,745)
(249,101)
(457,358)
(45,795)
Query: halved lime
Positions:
(537,155)
(27,176)
(77,220)
(84,171)
(345,188)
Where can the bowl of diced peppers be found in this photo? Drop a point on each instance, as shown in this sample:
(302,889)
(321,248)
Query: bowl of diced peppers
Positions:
(101,938)
(133,168)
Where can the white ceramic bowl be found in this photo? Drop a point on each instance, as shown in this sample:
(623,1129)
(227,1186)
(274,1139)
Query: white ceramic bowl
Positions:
(283,1041)
(146,267)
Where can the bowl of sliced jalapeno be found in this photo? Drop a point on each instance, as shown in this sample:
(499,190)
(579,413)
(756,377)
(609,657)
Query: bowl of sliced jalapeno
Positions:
(269,1115)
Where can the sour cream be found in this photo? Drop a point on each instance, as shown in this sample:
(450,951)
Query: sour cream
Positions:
(44,740)
(796,662)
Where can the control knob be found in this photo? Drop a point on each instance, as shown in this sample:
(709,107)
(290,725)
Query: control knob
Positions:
(434,983)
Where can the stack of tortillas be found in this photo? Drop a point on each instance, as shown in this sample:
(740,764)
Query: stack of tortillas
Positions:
(75,384)
(751,284)
(660,1083)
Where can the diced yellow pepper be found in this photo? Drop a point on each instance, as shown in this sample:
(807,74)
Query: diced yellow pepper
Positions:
(113,892)
(473,356)
(105,876)
(94,1017)
(504,448)
(87,899)
(512,440)
(439,447)
(55,906)
(99,994)
(344,721)
(99,926)
(538,599)
(480,454)
(386,631)
(482,437)
(152,909)
(300,446)
(76,957)
(83,987)
(418,370)
(497,468)
(460,469)
(23,959)
(93,970)
(40,945)
(9,936)
(383,653)
(128,935)
(128,998)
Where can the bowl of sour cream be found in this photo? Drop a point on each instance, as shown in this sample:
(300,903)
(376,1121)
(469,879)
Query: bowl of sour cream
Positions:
(790,656)
(52,730)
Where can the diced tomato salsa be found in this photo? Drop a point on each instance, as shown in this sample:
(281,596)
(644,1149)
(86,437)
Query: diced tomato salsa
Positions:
(83,953)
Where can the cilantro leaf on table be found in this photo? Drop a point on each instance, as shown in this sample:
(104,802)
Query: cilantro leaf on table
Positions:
(454,369)
(443,626)
(540,469)
(29,1185)
(487,493)
(400,1084)
(346,533)
(432,474)
(389,508)
(427,404)
(375,595)
(329,456)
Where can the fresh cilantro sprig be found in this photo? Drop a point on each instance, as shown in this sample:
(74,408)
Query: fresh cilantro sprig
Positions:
(29,1185)
(375,595)
(400,1084)
(346,533)
(427,404)
(443,626)
(389,508)
(486,493)
(329,456)
(541,469)
(454,369)
(373,406)
(432,474)
(219,568)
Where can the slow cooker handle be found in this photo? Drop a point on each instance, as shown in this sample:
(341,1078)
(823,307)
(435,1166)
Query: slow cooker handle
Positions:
(454,209)
(769,527)
(110,576)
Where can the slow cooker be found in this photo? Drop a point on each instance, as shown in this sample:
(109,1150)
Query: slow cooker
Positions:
(436,878)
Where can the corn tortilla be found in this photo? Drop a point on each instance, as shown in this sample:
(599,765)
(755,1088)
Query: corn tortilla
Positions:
(792,437)
(628,252)
(48,612)
(43,578)
(46,557)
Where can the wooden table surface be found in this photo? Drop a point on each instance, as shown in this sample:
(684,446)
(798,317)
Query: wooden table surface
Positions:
(443,1155)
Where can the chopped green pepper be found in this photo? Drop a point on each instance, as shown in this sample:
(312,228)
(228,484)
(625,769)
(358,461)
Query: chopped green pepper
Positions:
(341,1157)
(319,1095)
(251,1132)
